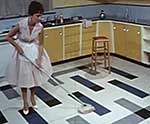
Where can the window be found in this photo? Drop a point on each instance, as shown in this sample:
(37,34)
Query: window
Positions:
(10,8)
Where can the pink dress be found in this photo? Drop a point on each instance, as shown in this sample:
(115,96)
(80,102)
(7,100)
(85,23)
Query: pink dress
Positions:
(20,71)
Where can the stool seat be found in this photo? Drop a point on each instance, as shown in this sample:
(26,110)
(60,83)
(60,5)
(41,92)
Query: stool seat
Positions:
(100,38)
(100,44)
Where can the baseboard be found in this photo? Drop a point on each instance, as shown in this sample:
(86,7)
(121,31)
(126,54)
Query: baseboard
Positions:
(112,54)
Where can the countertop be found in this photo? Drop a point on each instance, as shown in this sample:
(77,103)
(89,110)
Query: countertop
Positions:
(68,21)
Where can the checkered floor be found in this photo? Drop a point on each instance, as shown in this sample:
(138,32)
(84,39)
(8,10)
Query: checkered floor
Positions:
(122,97)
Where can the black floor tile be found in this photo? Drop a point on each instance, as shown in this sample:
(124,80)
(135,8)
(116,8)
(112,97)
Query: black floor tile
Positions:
(143,113)
(123,73)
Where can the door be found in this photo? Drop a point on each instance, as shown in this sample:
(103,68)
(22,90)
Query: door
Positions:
(53,43)
(120,39)
(104,30)
(133,39)
(87,34)
(72,41)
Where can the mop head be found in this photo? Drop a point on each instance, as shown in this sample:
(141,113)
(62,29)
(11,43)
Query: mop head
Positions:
(86,108)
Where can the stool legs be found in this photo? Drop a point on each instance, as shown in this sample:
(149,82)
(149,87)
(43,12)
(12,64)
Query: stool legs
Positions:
(94,56)
(95,49)
(109,66)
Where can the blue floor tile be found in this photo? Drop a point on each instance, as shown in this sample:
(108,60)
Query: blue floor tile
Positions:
(9,92)
(46,97)
(99,109)
(87,83)
(128,88)
(33,117)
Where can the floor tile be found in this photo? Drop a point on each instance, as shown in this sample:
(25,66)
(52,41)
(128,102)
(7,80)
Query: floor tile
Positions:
(9,92)
(143,113)
(99,109)
(33,117)
(128,104)
(2,118)
(128,88)
(46,97)
(123,73)
(77,120)
(87,83)
(131,119)
(121,97)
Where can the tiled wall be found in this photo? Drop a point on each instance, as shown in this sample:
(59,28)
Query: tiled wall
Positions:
(119,11)
(139,14)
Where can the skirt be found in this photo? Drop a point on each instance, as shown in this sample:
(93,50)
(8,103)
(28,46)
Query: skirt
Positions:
(22,73)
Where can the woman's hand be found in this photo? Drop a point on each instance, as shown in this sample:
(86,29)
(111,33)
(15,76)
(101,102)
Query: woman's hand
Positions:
(38,62)
(20,50)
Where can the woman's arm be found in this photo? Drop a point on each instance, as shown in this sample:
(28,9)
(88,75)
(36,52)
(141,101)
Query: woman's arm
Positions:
(10,35)
(40,50)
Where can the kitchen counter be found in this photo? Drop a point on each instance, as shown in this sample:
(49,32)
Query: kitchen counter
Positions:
(68,21)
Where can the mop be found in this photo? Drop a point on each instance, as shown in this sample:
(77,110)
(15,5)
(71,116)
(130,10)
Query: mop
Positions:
(84,108)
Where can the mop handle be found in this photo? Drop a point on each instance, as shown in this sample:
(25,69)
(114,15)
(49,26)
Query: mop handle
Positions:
(40,69)
(52,76)
(70,94)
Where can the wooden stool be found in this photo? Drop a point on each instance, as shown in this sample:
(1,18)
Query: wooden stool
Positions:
(100,46)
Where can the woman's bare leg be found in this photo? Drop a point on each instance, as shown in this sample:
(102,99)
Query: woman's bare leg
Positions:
(32,97)
(25,100)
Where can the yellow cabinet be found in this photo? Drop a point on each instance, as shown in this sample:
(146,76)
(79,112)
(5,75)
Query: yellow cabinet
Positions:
(87,34)
(71,41)
(133,38)
(119,39)
(53,43)
(104,29)
(127,39)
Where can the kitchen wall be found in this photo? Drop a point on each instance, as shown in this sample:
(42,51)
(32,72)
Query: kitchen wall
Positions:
(64,3)
(115,11)
(122,12)
(138,2)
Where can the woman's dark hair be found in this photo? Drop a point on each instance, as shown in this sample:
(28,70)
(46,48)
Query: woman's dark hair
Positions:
(35,7)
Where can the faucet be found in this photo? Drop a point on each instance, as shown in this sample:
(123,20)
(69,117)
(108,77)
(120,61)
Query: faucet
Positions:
(61,17)
(127,13)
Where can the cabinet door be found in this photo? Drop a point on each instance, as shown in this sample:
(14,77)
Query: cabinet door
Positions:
(120,39)
(133,39)
(53,43)
(104,30)
(87,34)
(72,41)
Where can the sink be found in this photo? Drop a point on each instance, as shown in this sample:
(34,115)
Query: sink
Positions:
(57,23)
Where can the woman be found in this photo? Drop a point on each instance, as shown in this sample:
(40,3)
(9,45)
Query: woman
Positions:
(29,42)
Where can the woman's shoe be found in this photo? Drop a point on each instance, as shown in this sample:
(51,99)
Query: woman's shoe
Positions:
(33,102)
(25,112)
(34,106)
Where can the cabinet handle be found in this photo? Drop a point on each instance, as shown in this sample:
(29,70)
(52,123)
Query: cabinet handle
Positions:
(138,32)
(46,35)
(127,30)
(60,33)
(114,28)
(124,29)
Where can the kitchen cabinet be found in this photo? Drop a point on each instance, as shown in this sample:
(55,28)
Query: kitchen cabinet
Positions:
(104,29)
(146,44)
(87,34)
(127,40)
(72,41)
(53,43)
